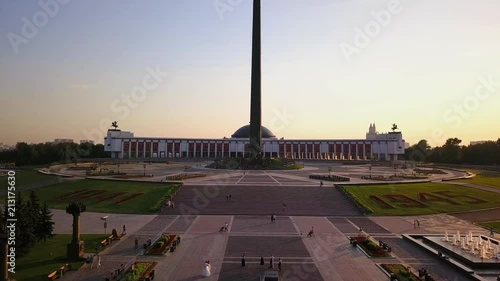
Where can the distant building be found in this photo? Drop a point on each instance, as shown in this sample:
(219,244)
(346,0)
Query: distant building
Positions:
(477,142)
(87,141)
(57,141)
(386,146)
(5,147)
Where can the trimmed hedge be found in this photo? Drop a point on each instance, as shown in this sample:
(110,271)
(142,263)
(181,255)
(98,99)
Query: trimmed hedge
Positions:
(329,178)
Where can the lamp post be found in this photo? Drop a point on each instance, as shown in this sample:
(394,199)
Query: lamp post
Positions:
(105,219)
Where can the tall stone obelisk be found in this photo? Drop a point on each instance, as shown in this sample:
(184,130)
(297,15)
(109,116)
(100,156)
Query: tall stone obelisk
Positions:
(255,100)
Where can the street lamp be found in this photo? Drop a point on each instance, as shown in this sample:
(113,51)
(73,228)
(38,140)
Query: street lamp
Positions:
(105,223)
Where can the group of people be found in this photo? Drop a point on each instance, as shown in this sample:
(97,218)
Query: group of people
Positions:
(229,197)
(422,272)
(90,259)
(273,218)
(416,224)
(207,269)
(170,204)
(271,262)
(224,228)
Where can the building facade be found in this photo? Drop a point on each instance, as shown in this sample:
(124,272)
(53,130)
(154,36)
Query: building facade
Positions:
(377,146)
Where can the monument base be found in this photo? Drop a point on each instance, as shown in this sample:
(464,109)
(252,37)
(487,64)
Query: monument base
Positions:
(243,163)
(75,250)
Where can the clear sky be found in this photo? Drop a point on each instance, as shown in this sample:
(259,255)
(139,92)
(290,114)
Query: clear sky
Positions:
(330,68)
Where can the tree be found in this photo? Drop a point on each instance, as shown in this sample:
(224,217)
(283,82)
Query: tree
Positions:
(25,231)
(45,225)
(451,151)
(418,152)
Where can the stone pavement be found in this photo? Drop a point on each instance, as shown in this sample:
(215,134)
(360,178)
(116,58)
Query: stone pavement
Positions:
(325,256)
(255,196)
(91,223)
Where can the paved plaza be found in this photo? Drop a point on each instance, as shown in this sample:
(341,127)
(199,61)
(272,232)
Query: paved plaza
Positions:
(203,206)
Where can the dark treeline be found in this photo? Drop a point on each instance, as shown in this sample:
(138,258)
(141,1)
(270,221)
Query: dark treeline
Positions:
(34,222)
(487,153)
(46,153)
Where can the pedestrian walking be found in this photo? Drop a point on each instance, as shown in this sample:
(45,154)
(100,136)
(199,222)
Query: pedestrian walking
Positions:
(98,261)
(279,265)
(311,232)
(418,224)
(492,233)
(284,205)
(261,261)
(271,262)
(243,262)
(136,242)
(173,205)
(124,229)
(230,197)
(227,197)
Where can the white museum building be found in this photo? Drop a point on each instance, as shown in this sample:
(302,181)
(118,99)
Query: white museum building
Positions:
(379,146)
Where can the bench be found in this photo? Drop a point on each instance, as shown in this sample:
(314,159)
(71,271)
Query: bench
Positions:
(54,275)
(65,268)
(385,246)
(104,243)
(107,241)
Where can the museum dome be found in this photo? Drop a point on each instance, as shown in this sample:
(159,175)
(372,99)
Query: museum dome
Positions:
(244,132)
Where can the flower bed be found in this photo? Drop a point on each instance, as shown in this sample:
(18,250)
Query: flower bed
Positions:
(103,172)
(400,272)
(139,271)
(370,247)
(132,196)
(167,242)
(125,176)
(329,178)
(184,176)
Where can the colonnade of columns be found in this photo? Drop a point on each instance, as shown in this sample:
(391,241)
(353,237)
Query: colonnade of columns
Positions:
(291,150)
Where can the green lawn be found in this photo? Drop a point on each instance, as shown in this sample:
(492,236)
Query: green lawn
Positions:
(421,199)
(29,176)
(492,224)
(107,196)
(486,178)
(46,258)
